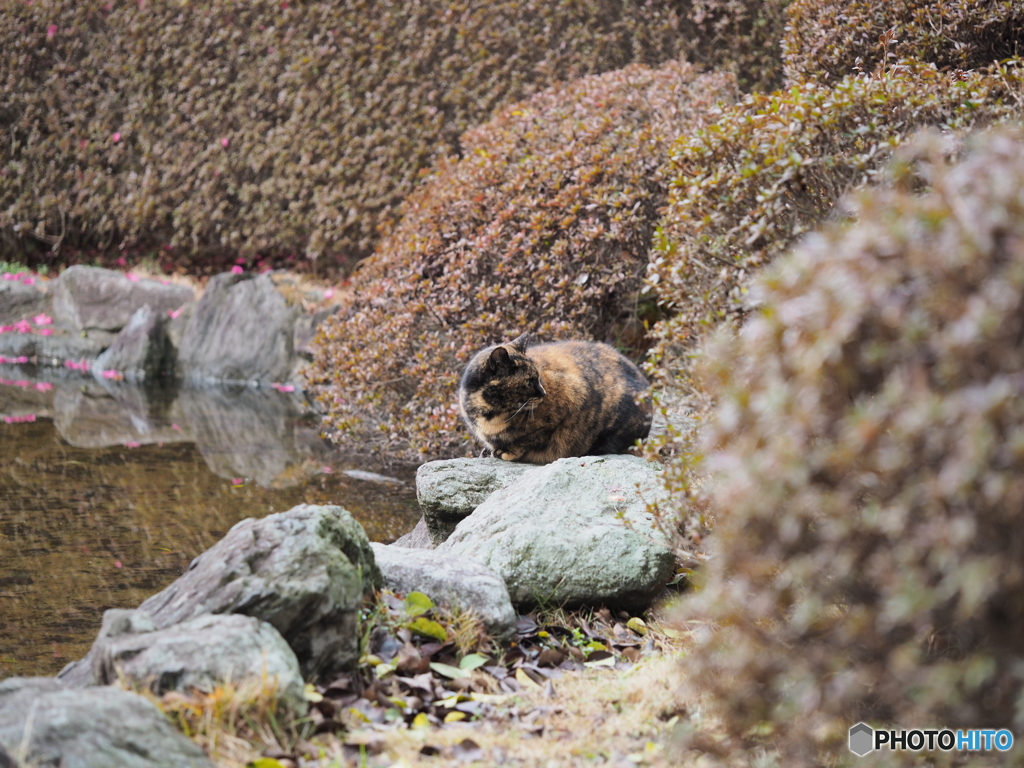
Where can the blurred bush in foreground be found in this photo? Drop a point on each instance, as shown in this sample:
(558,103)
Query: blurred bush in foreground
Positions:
(267,126)
(544,225)
(867,454)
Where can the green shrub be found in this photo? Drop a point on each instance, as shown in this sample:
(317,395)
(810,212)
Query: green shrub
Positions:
(867,452)
(544,225)
(268,126)
(825,38)
(771,167)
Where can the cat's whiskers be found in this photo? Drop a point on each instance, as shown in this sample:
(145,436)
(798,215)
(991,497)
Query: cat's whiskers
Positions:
(521,408)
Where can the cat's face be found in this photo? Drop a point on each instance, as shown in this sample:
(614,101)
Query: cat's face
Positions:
(506,379)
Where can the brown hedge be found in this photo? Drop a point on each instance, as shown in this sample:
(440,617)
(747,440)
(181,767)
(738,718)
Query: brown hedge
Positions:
(867,452)
(544,226)
(825,38)
(771,167)
(268,126)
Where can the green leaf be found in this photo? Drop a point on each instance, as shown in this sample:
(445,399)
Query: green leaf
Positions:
(447,670)
(264,762)
(416,603)
(473,661)
(428,628)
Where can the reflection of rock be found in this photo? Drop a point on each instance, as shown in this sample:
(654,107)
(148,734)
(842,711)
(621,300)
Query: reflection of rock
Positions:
(139,350)
(241,330)
(90,297)
(93,728)
(243,432)
(90,414)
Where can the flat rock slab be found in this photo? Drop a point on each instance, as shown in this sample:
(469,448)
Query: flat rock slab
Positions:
(303,571)
(199,653)
(241,330)
(90,297)
(42,724)
(573,532)
(457,583)
(448,491)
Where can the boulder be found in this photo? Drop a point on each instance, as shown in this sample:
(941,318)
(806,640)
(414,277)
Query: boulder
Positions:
(55,349)
(139,350)
(303,571)
(199,653)
(457,583)
(43,724)
(241,330)
(20,302)
(417,538)
(89,297)
(573,532)
(449,490)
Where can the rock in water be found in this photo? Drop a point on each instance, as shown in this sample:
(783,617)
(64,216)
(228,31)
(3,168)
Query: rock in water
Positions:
(303,571)
(139,350)
(87,298)
(241,330)
(449,490)
(573,532)
(44,724)
(199,653)
(453,582)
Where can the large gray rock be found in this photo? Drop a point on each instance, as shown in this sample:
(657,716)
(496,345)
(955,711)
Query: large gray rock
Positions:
(20,302)
(41,724)
(90,297)
(458,583)
(241,330)
(449,490)
(304,571)
(573,532)
(417,538)
(199,653)
(139,350)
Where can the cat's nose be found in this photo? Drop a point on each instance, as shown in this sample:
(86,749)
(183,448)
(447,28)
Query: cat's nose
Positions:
(539,389)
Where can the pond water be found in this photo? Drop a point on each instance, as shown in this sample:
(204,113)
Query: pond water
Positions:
(108,491)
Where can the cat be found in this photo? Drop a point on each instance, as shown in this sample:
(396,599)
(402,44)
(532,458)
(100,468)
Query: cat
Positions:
(540,403)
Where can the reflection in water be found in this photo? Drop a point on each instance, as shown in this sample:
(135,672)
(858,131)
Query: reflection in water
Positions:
(108,495)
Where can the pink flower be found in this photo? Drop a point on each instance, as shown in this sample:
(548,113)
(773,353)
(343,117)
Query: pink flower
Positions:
(326,470)
(28,280)
(116,138)
(83,144)
(176,427)
(121,261)
(7,276)
(6,328)
(132,277)
(51,31)
(42,319)
(23,326)
(236,481)
(224,142)
(286,388)
(113,375)
(173,313)
(328,293)
(46,332)
(132,444)
(43,386)
(20,360)
(117,564)
(164,281)
(236,270)
(21,383)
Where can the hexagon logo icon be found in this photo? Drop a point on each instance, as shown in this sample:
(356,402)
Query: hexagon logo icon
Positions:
(862,739)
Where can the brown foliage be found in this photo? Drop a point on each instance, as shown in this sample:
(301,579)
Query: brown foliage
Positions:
(826,38)
(869,472)
(544,226)
(267,126)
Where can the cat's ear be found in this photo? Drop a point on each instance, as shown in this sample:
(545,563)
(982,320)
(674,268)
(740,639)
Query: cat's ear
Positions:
(522,343)
(499,360)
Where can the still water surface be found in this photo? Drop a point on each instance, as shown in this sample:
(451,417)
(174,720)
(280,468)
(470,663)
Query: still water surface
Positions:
(108,491)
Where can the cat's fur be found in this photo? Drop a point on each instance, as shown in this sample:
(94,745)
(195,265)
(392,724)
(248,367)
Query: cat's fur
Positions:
(541,403)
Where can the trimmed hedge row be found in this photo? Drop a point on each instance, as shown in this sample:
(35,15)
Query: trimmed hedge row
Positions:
(544,225)
(824,39)
(268,126)
(868,447)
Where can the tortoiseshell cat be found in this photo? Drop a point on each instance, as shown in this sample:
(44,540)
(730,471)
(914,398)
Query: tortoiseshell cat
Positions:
(568,398)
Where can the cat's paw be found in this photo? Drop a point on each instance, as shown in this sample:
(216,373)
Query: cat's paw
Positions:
(487,453)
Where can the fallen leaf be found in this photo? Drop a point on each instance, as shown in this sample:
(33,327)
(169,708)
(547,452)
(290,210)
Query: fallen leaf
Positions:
(637,625)
(448,671)
(428,628)
(455,716)
(416,604)
(528,682)
(473,661)
(467,751)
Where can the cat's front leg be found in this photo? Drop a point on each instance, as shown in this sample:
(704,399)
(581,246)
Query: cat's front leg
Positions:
(506,456)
